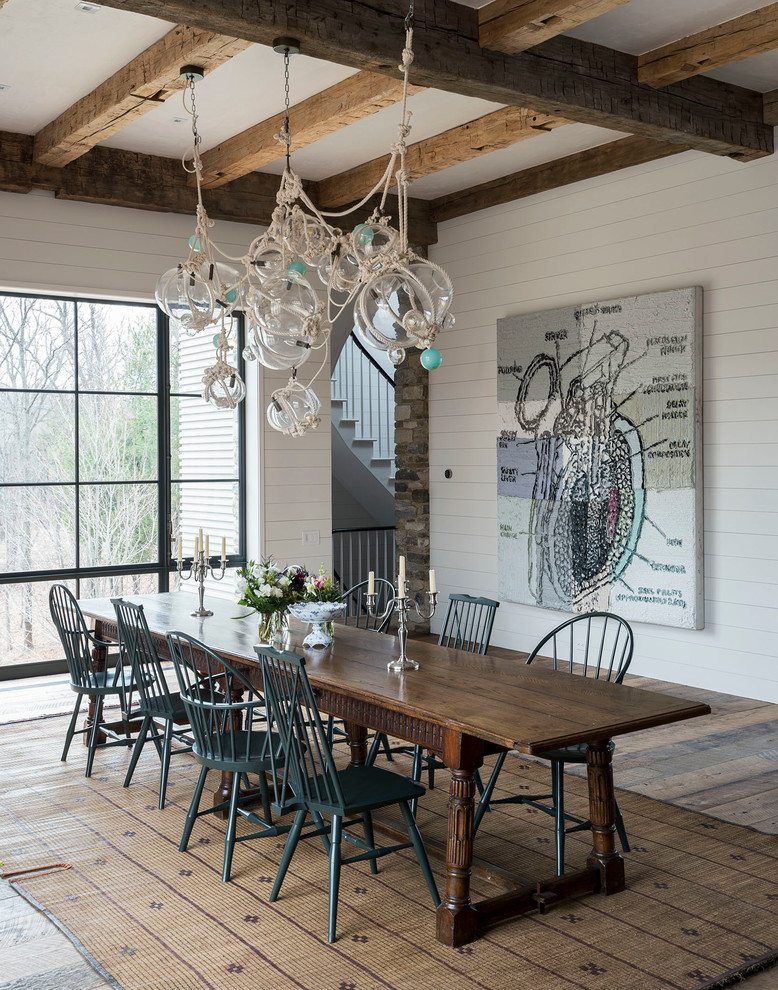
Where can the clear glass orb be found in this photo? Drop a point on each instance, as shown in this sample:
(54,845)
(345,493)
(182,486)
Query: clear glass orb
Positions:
(286,305)
(306,237)
(294,411)
(437,283)
(224,388)
(396,355)
(278,352)
(267,261)
(185,296)
(340,273)
(371,244)
(392,308)
(431,358)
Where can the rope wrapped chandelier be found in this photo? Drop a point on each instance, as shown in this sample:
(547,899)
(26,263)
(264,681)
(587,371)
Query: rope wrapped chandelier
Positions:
(400,300)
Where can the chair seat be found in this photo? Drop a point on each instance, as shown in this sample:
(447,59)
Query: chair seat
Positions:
(572,754)
(159,708)
(366,788)
(243,759)
(101,682)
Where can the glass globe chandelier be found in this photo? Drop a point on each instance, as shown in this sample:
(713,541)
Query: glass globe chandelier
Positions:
(400,300)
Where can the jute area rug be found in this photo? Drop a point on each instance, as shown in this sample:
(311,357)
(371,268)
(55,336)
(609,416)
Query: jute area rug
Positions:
(701,907)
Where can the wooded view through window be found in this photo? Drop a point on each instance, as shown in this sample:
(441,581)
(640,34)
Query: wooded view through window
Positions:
(107,453)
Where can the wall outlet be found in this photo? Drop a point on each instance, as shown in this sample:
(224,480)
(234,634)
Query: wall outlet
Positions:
(311,538)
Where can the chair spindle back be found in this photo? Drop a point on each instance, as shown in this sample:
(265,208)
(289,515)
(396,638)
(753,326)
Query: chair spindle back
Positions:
(468,624)
(599,642)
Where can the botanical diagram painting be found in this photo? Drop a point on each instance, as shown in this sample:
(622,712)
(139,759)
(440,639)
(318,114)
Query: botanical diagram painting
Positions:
(599,457)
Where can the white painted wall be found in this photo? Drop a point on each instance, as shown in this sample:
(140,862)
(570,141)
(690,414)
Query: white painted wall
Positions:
(689,220)
(82,249)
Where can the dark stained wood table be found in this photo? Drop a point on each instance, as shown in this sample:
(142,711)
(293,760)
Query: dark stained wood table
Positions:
(462,707)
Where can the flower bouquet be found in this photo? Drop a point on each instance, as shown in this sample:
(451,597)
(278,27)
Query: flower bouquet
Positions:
(319,604)
(269,590)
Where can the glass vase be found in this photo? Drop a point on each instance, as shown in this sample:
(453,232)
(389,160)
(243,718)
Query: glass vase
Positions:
(272,627)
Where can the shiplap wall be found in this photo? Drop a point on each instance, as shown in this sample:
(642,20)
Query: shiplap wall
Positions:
(54,246)
(689,220)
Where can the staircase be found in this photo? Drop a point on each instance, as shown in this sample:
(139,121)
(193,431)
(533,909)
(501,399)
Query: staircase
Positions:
(363,409)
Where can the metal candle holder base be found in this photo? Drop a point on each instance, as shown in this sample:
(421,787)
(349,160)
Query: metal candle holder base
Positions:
(200,569)
(402,606)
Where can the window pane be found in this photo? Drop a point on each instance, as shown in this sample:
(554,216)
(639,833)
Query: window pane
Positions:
(36,437)
(36,343)
(204,442)
(37,527)
(117,347)
(118,438)
(189,357)
(212,507)
(118,524)
(223,589)
(27,633)
(116,585)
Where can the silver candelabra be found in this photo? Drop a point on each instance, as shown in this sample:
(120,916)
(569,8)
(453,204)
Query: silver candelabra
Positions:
(402,605)
(200,569)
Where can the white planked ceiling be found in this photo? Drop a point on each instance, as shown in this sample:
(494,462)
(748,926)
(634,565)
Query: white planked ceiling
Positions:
(52,53)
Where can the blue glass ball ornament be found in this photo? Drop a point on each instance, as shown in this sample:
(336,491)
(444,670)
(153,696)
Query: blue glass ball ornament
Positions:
(364,234)
(194,243)
(297,266)
(216,340)
(431,358)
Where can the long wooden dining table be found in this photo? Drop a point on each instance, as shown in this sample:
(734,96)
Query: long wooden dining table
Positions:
(462,707)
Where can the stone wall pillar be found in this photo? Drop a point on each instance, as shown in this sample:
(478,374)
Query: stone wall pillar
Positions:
(412,497)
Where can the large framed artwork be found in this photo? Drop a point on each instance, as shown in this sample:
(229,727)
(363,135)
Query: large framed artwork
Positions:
(599,458)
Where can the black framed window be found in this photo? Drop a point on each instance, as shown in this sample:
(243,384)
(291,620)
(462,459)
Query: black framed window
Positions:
(107,455)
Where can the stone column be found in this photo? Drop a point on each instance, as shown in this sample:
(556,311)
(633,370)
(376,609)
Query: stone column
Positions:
(412,497)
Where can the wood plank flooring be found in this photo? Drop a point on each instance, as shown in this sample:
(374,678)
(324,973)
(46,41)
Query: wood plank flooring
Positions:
(725,765)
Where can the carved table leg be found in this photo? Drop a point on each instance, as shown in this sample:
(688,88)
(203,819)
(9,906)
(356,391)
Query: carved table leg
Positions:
(602,814)
(95,709)
(357,741)
(457,920)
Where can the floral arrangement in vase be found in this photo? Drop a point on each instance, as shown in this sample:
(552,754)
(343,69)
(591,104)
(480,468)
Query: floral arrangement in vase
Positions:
(320,588)
(269,590)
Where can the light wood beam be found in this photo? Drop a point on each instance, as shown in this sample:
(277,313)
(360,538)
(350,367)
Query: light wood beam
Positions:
(563,76)
(140,86)
(497,130)
(551,175)
(147,182)
(324,113)
(515,25)
(723,44)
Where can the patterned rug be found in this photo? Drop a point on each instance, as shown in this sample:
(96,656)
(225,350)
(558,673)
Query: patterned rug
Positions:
(701,907)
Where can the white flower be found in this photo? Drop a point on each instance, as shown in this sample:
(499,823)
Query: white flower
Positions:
(241,585)
(277,592)
(284,581)
(264,590)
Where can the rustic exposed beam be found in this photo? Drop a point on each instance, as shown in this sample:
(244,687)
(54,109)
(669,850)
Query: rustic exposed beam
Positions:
(497,130)
(140,86)
(749,34)
(564,76)
(771,107)
(146,182)
(324,113)
(515,25)
(551,175)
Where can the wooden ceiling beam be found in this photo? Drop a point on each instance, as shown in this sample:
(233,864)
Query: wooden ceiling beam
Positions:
(771,107)
(513,26)
(601,160)
(324,113)
(146,182)
(723,44)
(497,130)
(563,76)
(138,87)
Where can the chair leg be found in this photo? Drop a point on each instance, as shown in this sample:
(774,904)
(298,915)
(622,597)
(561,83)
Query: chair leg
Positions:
(192,813)
(289,848)
(71,728)
(167,744)
(90,756)
(232,821)
(137,749)
(265,796)
(620,827)
(335,857)
(367,822)
(558,798)
(486,796)
(421,852)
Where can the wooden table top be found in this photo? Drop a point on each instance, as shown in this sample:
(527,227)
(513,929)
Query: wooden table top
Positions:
(527,708)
